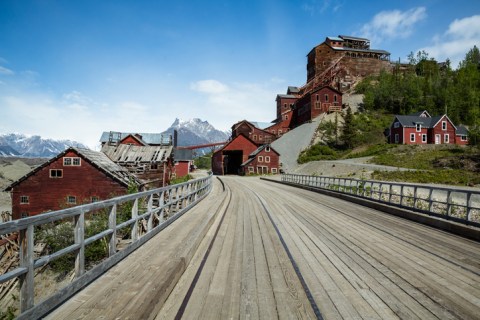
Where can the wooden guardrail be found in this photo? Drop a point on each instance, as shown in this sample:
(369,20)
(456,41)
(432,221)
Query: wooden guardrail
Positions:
(151,211)
(457,204)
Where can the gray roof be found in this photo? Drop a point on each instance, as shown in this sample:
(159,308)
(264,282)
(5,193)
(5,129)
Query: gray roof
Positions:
(335,38)
(289,96)
(261,125)
(129,153)
(183,155)
(96,159)
(427,122)
(461,130)
(150,138)
(360,50)
(292,89)
(353,38)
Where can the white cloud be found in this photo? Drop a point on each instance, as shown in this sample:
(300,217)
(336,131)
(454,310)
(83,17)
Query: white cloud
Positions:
(209,86)
(460,37)
(251,101)
(320,6)
(392,24)
(6,71)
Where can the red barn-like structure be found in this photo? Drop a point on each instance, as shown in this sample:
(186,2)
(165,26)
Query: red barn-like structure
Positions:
(75,176)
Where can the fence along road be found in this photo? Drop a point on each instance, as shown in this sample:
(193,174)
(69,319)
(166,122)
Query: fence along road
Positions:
(273,251)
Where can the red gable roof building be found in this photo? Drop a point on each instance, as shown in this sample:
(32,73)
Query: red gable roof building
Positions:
(73,177)
(421,128)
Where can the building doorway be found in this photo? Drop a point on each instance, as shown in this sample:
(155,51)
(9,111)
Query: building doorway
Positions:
(232,160)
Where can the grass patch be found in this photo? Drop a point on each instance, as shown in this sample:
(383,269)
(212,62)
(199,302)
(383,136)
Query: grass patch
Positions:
(439,176)
(181,179)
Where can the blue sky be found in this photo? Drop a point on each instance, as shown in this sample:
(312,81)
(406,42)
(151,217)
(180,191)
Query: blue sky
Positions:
(73,69)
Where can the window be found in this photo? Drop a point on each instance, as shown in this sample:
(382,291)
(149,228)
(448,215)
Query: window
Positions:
(71,199)
(286,117)
(291,105)
(335,98)
(71,161)
(463,138)
(254,137)
(267,159)
(24,215)
(317,98)
(424,138)
(326,98)
(396,138)
(274,131)
(444,125)
(274,170)
(251,170)
(260,137)
(279,131)
(154,166)
(56,173)
(446,138)
(418,127)
(284,106)
(260,159)
(396,125)
(24,200)
(412,137)
(267,149)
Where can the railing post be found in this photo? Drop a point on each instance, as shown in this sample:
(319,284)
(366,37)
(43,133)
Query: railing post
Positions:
(449,203)
(430,200)
(135,224)
(469,205)
(401,195)
(80,240)
(149,209)
(415,196)
(112,224)
(26,261)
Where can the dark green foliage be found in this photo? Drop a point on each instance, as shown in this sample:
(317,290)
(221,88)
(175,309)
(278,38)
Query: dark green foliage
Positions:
(348,132)
(318,152)
(204,162)
(428,86)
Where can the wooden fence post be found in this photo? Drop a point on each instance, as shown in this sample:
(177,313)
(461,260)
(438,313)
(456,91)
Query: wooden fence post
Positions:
(80,240)
(26,261)
(112,224)
(135,224)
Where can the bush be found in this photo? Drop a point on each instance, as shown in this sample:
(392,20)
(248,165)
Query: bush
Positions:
(318,152)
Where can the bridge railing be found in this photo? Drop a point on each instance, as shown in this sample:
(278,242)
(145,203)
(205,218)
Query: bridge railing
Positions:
(457,204)
(148,213)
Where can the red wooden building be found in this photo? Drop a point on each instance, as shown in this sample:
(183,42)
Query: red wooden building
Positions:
(183,162)
(264,160)
(75,176)
(321,100)
(421,128)
(254,131)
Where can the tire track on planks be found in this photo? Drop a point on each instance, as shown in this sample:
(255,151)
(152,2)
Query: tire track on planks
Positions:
(306,289)
(185,301)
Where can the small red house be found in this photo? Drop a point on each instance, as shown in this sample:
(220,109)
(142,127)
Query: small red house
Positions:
(75,176)
(421,128)
(320,100)
(264,160)
(183,162)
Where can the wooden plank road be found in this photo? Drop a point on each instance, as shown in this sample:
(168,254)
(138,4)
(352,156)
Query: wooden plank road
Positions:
(263,250)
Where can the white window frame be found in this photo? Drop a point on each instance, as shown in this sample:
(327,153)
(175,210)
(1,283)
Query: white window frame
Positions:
(254,137)
(463,137)
(418,127)
(267,149)
(251,169)
(260,159)
(444,125)
(274,170)
(446,138)
(424,138)
(71,199)
(24,199)
(412,137)
(267,159)
(72,161)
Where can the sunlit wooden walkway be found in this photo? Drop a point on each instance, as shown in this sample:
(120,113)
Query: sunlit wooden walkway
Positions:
(263,250)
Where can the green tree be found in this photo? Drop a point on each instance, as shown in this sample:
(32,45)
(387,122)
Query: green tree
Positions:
(348,134)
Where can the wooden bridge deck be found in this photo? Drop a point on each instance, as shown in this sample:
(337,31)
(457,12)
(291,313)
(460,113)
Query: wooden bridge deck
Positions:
(262,250)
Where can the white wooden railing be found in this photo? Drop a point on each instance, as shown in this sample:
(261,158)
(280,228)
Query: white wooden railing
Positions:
(455,203)
(151,212)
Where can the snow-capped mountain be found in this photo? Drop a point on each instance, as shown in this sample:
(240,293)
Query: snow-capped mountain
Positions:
(15,144)
(196,132)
